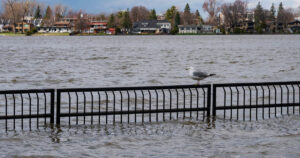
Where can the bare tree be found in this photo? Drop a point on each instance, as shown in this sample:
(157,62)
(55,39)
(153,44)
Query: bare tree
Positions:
(234,13)
(71,14)
(60,11)
(284,16)
(26,9)
(297,12)
(10,11)
(82,22)
(187,15)
(139,13)
(212,8)
(101,17)
(289,16)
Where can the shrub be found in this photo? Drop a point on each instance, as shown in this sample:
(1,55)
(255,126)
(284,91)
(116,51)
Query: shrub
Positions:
(223,30)
(34,30)
(237,30)
(118,30)
(175,30)
(28,33)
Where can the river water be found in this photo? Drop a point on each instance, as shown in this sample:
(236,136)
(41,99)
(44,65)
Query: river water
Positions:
(114,61)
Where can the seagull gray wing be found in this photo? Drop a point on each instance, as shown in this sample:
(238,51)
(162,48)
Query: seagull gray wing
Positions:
(200,74)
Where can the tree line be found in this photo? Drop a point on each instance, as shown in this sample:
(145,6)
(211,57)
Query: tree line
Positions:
(16,10)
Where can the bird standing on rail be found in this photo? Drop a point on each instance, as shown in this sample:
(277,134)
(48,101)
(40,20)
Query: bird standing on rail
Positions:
(198,75)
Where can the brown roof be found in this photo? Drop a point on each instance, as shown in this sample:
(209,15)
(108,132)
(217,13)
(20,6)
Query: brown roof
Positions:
(98,23)
(62,23)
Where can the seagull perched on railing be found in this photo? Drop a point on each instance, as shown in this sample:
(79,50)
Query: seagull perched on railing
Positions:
(198,75)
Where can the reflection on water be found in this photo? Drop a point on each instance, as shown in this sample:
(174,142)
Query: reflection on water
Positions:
(57,62)
(221,138)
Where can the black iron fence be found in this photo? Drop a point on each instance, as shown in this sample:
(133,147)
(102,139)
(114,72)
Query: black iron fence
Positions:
(132,104)
(246,101)
(26,108)
(253,101)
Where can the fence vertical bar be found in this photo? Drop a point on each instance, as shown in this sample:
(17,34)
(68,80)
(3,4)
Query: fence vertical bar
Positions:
(214,101)
(45,103)
(5,112)
(58,99)
(22,111)
(208,100)
(204,105)
(29,110)
(38,108)
(14,111)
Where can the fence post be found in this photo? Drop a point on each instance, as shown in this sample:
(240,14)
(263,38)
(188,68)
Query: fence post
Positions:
(52,106)
(58,107)
(214,101)
(208,100)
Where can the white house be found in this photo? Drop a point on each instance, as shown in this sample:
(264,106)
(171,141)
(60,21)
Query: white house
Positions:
(163,24)
(1,27)
(58,27)
(151,26)
(206,29)
(189,29)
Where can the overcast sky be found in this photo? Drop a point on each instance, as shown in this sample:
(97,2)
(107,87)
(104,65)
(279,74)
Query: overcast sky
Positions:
(109,6)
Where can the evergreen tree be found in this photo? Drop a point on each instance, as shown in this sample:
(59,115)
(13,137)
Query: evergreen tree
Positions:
(126,22)
(259,18)
(187,8)
(177,19)
(37,14)
(170,14)
(176,23)
(273,11)
(48,14)
(111,22)
(280,8)
(153,15)
(187,16)
(280,13)
(48,20)
(198,16)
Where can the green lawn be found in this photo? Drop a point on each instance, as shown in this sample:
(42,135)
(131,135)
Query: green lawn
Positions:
(51,34)
(11,34)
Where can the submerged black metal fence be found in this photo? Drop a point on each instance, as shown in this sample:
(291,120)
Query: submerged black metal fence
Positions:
(132,104)
(26,108)
(248,101)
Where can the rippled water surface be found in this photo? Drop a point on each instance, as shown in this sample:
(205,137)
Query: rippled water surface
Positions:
(109,61)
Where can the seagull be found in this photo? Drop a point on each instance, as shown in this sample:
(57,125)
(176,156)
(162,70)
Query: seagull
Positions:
(198,75)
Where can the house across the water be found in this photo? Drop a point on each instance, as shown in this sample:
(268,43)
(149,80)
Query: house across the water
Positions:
(152,27)
(189,29)
(23,27)
(294,26)
(58,27)
(97,27)
(195,29)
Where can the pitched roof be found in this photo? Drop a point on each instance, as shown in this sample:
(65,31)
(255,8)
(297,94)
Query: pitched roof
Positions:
(148,23)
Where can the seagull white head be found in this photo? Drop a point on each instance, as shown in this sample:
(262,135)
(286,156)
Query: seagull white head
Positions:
(191,70)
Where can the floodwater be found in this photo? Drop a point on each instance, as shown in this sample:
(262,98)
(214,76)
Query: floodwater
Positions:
(114,61)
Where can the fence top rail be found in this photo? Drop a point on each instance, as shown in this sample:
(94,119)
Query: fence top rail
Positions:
(27,91)
(256,84)
(133,88)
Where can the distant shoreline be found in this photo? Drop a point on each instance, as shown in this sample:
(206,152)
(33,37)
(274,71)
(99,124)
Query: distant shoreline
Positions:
(204,34)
